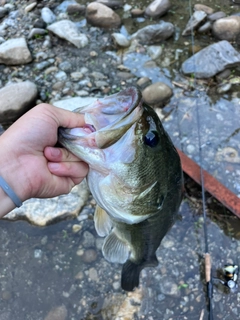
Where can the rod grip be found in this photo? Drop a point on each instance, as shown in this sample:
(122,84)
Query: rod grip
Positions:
(207,267)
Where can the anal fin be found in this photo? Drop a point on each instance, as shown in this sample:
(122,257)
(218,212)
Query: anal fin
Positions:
(115,249)
(102,221)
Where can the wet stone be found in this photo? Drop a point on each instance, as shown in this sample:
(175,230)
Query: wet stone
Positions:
(88,240)
(76,76)
(36,32)
(154,33)
(16,99)
(114,4)
(30,7)
(202,7)
(14,52)
(216,16)
(168,287)
(197,18)
(211,60)
(157,94)
(205,27)
(89,256)
(67,30)
(61,76)
(65,66)
(99,15)
(76,8)
(39,23)
(158,8)
(47,15)
(227,28)
(3,12)
(58,313)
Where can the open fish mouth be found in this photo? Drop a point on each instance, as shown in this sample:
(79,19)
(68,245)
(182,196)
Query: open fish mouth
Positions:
(107,119)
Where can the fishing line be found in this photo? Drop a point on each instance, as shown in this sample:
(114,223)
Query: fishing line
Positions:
(208,275)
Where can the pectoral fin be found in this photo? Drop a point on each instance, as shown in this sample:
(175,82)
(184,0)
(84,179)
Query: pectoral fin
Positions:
(103,223)
(114,249)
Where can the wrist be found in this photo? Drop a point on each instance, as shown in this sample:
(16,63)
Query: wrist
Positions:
(10,171)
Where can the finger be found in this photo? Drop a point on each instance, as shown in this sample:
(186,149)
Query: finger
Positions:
(74,170)
(68,119)
(59,155)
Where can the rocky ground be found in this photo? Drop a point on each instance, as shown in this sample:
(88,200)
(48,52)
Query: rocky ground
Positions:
(74,51)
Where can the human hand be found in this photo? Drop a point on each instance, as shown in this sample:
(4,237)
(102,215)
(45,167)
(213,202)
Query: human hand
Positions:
(30,163)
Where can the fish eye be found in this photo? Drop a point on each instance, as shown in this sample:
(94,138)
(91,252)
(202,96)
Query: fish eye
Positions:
(151,138)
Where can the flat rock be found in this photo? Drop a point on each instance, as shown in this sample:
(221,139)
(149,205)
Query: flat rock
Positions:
(67,30)
(158,8)
(211,60)
(15,52)
(17,98)
(154,33)
(99,15)
(157,94)
(42,212)
(196,19)
(227,28)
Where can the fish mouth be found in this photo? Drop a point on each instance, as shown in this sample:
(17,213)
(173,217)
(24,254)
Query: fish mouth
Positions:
(107,119)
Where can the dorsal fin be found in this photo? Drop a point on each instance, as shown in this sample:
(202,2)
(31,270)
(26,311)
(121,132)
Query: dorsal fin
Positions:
(103,223)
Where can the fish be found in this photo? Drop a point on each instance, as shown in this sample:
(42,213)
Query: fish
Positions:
(135,176)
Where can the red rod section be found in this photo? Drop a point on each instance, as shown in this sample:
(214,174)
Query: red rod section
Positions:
(212,185)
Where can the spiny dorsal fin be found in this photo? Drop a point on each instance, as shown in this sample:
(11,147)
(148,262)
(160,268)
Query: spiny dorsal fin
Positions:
(103,223)
(115,249)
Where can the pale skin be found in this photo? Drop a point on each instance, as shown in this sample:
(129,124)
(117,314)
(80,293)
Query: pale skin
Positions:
(29,161)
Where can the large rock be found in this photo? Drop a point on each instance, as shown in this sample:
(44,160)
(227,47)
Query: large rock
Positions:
(227,28)
(157,94)
(67,30)
(17,98)
(211,60)
(154,33)
(42,212)
(157,8)
(14,52)
(101,16)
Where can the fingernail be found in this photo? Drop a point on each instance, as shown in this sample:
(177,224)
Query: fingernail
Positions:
(55,152)
(53,166)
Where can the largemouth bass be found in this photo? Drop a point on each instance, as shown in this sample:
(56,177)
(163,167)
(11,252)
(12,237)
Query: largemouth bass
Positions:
(134,175)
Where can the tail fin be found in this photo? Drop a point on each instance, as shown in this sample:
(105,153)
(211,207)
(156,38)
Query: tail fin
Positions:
(131,273)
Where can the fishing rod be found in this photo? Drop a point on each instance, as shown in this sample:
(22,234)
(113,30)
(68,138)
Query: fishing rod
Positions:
(208,272)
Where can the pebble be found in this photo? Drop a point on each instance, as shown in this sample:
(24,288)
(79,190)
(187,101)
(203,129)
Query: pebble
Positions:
(76,228)
(65,66)
(88,239)
(30,7)
(89,256)
(36,32)
(93,274)
(42,65)
(61,76)
(76,76)
(38,253)
(47,15)
(57,313)
(190,148)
